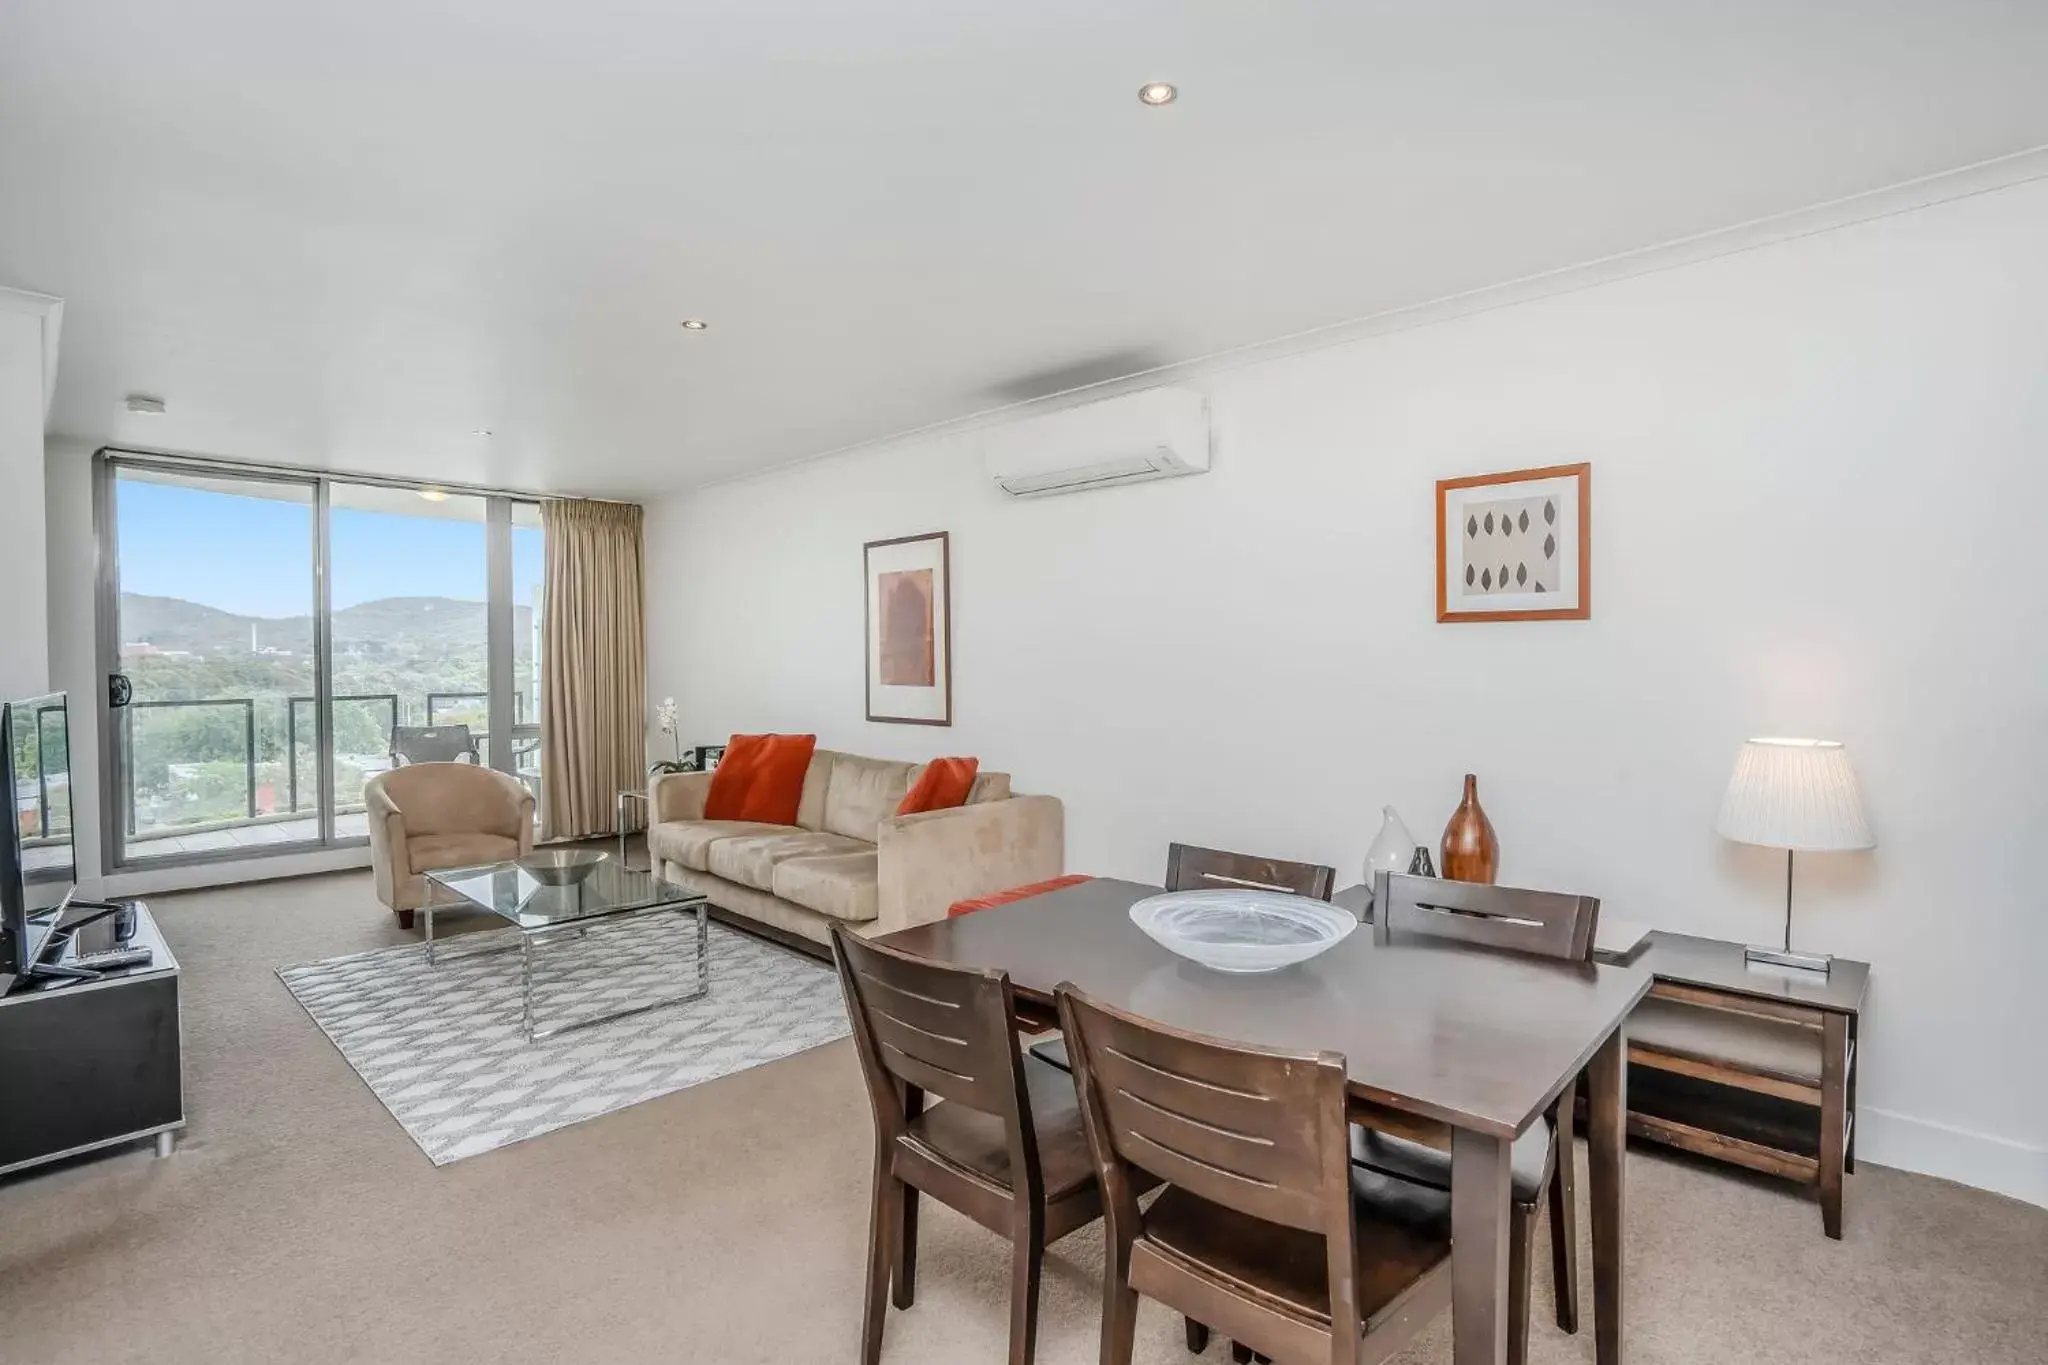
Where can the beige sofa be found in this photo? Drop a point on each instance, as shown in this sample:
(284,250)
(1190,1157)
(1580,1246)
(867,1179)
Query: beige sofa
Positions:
(850,857)
(432,815)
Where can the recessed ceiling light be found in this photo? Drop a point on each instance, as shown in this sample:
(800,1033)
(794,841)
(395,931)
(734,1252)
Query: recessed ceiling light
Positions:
(481,431)
(1157,93)
(694,324)
(433,495)
(143,402)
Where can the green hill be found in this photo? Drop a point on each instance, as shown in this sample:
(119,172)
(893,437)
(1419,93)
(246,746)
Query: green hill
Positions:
(402,627)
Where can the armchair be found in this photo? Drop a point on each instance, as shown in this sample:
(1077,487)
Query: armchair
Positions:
(426,816)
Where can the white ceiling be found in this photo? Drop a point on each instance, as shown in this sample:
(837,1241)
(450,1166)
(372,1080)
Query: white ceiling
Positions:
(348,235)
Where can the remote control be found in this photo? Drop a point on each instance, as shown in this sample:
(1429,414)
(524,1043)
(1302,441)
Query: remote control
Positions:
(113,960)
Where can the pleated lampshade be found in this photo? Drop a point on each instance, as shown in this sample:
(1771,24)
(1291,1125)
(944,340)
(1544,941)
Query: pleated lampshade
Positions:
(1799,794)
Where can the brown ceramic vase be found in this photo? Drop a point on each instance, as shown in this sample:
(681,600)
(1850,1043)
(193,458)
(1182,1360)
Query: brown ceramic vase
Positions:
(1470,851)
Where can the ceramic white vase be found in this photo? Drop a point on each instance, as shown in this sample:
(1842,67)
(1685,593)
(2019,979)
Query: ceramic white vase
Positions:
(1392,848)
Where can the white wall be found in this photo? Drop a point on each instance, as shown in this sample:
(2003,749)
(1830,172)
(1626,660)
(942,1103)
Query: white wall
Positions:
(24,656)
(1820,507)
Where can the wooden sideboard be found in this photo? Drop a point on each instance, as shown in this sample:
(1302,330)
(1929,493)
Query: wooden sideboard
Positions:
(1750,1065)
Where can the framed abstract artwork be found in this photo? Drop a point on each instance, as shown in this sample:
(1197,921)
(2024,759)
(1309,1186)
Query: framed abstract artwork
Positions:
(910,630)
(1516,546)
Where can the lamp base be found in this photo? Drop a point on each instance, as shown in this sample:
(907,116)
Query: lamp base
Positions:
(1822,963)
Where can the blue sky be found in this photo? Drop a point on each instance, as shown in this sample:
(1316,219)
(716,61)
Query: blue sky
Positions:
(253,556)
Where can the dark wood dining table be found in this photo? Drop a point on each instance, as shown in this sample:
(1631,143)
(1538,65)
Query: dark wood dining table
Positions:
(1435,1036)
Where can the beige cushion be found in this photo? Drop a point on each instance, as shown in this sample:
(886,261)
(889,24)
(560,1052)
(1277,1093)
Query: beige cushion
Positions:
(842,885)
(810,807)
(864,792)
(750,859)
(757,906)
(689,841)
(431,852)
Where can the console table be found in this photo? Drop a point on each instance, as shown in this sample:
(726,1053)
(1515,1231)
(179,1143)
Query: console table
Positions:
(92,1064)
(1750,1065)
(1754,1066)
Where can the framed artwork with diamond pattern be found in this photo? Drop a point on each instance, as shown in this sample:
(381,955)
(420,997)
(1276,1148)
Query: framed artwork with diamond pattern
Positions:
(1516,546)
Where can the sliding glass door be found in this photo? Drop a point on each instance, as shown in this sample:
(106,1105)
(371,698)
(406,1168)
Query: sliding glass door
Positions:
(409,604)
(214,620)
(273,640)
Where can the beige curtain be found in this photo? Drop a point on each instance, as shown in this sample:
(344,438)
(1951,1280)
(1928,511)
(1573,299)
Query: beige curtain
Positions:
(593,666)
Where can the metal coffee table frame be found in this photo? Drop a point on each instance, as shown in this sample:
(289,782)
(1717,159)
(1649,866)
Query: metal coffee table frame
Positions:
(530,936)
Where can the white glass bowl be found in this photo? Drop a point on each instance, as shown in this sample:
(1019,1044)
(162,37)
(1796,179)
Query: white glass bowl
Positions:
(1241,930)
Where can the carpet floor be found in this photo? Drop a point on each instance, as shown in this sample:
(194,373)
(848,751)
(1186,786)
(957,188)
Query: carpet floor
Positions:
(727,1223)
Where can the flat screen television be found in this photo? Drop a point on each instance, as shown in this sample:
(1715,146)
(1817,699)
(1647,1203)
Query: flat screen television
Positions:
(38,870)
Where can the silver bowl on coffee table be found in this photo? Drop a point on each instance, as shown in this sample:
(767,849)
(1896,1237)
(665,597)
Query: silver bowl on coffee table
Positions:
(563,866)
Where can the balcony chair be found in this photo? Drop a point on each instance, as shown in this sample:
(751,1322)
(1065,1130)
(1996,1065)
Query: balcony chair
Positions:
(432,744)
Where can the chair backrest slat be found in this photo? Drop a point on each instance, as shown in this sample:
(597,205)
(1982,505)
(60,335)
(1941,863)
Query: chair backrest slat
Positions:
(1189,868)
(1175,1129)
(927,1060)
(1259,1132)
(943,1029)
(1543,923)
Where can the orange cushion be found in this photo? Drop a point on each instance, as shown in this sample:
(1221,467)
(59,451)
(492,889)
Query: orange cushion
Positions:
(1016,893)
(761,778)
(943,785)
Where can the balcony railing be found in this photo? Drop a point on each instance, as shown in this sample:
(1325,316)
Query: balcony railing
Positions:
(291,737)
(248,708)
(299,798)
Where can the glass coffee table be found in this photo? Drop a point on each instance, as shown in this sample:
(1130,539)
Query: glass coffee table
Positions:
(540,909)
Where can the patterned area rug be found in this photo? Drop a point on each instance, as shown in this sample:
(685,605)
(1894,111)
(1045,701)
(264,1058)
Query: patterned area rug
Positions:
(442,1047)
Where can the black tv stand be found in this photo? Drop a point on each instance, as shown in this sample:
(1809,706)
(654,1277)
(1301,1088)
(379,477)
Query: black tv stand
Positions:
(90,1059)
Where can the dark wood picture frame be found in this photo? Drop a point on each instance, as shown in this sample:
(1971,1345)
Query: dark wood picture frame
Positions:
(942,615)
(1583,473)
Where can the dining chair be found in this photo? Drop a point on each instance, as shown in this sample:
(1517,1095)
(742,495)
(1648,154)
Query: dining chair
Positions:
(1190,868)
(1003,1145)
(1257,1231)
(1544,924)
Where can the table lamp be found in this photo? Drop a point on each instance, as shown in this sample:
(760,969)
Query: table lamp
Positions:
(1799,795)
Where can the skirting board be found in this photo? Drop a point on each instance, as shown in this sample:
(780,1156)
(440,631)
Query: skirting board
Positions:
(1989,1163)
(157,881)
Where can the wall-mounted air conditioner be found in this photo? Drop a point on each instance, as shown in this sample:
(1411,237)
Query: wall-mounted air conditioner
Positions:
(1151,434)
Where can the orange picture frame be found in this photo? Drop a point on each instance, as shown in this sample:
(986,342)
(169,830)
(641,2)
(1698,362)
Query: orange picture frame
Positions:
(1581,526)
